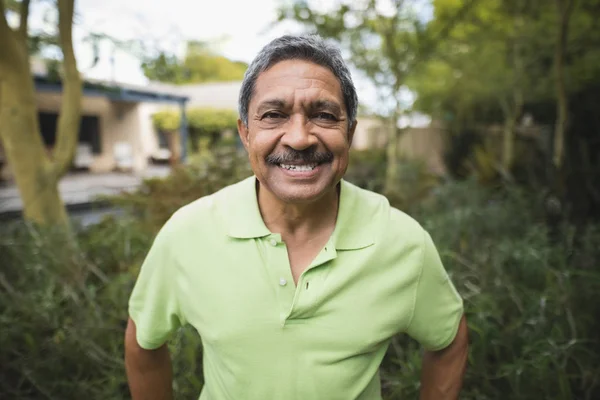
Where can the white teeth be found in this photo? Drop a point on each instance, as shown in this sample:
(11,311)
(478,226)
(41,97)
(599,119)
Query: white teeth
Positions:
(307,167)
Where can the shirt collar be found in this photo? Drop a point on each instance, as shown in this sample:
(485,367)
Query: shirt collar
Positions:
(353,228)
(241,212)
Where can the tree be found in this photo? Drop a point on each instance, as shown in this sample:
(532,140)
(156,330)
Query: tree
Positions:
(36,172)
(564,10)
(200,64)
(492,65)
(385,44)
(505,57)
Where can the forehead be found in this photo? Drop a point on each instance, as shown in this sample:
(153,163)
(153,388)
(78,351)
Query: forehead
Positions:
(293,80)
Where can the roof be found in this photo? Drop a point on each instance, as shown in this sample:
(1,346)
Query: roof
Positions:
(217,94)
(114,91)
(222,95)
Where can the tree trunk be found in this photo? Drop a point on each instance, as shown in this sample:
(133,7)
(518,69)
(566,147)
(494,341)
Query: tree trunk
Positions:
(25,151)
(37,174)
(564,9)
(511,118)
(391,171)
(513,108)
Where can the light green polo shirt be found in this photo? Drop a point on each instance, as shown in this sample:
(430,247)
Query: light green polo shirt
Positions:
(216,266)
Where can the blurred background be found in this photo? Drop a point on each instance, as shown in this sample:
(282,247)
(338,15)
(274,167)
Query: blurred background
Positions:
(480,118)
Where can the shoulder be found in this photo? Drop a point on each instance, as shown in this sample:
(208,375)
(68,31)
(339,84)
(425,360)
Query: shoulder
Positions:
(203,214)
(390,221)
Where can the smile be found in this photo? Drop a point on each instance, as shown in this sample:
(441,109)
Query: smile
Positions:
(299,168)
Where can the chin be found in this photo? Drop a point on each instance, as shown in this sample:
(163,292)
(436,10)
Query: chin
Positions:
(300,193)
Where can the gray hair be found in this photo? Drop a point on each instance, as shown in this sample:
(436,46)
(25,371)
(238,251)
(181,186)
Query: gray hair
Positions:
(309,48)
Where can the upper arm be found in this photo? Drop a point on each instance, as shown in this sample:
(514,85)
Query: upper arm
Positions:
(438,308)
(154,305)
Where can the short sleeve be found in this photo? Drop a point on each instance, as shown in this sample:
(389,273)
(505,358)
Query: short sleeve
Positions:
(153,304)
(438,307)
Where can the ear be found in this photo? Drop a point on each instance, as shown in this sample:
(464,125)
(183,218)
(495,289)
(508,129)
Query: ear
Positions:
(351,131)
(243,132)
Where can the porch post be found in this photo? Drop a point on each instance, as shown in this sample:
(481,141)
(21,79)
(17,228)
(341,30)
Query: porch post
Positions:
(183,132)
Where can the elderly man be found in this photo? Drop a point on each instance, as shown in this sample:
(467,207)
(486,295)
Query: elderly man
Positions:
(295,279)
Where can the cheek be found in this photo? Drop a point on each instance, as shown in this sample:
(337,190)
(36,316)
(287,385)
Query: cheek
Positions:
(262,145)
(337,144)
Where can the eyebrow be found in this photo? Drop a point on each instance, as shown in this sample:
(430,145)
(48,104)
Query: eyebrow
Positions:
(326,105)
(272,103)
(315,105)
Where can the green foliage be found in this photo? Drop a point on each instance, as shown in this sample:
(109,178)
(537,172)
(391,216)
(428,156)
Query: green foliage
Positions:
(163,68)
(532,326)
(367,169)
(499,50)
(157,199)
(63,319)
(201,64)
(531,303)
(201,120)
(383,45)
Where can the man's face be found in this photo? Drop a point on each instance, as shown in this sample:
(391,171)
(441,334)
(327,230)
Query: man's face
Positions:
(298,134)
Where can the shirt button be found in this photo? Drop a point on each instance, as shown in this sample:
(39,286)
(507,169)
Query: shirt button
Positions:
(282,281)
(273,242)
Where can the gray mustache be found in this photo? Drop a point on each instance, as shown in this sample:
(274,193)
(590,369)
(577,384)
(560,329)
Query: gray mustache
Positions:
(302,156)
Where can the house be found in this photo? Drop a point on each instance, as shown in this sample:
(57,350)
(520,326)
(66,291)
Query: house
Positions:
(114,132)
(419,140)
(219,95)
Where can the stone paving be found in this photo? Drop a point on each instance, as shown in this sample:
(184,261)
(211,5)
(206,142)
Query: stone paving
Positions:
(83,188)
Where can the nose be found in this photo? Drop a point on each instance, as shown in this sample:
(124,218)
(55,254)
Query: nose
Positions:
(298,134)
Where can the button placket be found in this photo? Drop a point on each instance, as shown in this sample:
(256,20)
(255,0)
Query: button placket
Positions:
(280,273)
(314,276)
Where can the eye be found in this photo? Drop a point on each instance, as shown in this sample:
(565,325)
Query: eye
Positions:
(273,115)
(326,116)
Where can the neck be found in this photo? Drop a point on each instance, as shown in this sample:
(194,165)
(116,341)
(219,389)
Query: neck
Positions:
(298,220)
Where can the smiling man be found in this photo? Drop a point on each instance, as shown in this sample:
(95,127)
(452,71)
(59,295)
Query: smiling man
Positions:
(295,279)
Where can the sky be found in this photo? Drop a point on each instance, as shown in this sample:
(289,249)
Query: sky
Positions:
(237,28)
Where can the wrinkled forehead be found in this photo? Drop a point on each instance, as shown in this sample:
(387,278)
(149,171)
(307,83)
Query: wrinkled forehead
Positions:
(297,80)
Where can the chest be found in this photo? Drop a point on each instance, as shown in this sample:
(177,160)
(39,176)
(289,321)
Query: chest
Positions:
(302,254)
(246,297)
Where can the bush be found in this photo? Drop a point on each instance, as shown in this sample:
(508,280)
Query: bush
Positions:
(157,199)
(532,303)
(205,121)
(63,318)
(367,169)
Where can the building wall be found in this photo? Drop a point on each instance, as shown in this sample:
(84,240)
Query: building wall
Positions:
(119,122)
(148,133)
(370,133)
(424,144)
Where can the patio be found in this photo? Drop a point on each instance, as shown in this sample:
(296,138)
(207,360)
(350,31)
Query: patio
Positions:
(80,189)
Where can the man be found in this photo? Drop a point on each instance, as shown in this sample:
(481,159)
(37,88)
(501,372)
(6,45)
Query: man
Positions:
(295,279)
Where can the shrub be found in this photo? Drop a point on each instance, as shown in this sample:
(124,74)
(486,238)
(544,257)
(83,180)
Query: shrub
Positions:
(532,302)
(63,318)
(205,121)
(157,199)
(367,169)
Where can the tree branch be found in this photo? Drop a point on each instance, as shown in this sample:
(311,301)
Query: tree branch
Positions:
(564,10)
(7,43)
(3,22)
(24,18)
(4,28)
(70,113)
